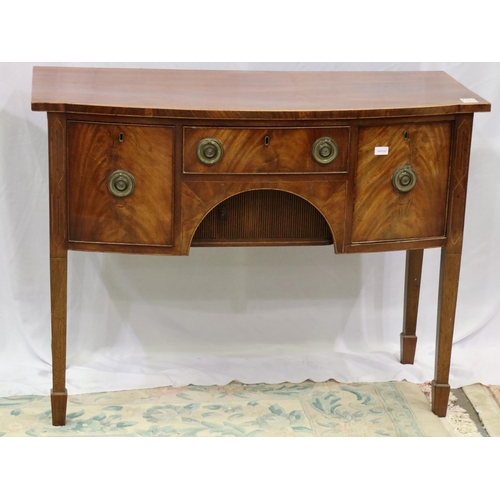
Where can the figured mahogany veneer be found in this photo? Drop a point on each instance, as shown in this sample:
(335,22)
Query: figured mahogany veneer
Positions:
(95,151)
(267,150)
(398,180)
(381,213)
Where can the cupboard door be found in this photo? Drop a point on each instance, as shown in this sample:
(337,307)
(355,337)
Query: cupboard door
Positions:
(120,183)
(401,182)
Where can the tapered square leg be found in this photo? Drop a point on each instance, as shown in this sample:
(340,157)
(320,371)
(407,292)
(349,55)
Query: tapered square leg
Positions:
(58,263)
(440,396)
(413,276)
(451,256)
(448,293)
(408,344)
(58,401)
(58,281)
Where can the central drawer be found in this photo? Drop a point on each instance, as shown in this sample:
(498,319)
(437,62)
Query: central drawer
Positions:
(265,150)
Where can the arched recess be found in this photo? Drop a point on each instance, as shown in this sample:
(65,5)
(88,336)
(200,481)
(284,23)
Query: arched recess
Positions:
(263,217)
(291,213)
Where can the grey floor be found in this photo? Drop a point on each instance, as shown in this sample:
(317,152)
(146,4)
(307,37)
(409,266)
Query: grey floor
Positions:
(463,401)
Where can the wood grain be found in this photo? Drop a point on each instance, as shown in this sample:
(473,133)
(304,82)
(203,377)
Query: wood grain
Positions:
(245,151)
(57,185)
(263,217)
(413,275)
(267,95)
(95,214)
(397,245)
(451,255)
(58,262)
(199,198)
(380,212)
(58,298)
(58,403)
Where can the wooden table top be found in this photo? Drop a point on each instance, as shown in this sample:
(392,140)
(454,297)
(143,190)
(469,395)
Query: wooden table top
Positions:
(266,95)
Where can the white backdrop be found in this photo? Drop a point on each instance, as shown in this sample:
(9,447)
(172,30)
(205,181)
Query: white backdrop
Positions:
(247,314)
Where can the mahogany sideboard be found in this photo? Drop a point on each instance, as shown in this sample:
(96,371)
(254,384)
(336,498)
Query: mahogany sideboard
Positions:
(156,161)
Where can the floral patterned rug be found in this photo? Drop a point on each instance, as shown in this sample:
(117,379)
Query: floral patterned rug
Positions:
(305,409)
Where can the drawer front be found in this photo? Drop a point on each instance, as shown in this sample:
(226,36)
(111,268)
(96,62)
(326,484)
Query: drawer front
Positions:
(105,162)
(401,191)
(267,150)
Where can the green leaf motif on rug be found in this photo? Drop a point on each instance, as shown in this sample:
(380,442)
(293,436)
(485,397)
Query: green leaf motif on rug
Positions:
(182,395)
(276,410)
(288,409)
(18,400)
(78,414)
(121,425)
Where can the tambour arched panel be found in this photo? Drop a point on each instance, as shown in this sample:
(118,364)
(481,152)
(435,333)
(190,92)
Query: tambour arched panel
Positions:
(291,213)
(263,217)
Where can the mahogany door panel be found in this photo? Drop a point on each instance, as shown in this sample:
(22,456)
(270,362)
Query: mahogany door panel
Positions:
(130,157)
(401,182)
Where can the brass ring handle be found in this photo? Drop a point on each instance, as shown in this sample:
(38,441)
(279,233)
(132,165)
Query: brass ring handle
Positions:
(325,150)
(404,179)
(209,151)
(121,183)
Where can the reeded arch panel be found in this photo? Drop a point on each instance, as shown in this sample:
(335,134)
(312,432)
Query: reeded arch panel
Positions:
(263,217)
